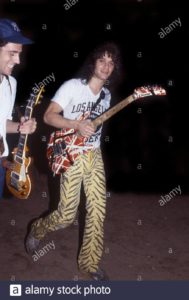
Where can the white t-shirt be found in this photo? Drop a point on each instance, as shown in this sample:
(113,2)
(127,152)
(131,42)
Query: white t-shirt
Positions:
(7,99)
(75,97)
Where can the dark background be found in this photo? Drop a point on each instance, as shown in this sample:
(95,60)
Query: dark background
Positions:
(146,145)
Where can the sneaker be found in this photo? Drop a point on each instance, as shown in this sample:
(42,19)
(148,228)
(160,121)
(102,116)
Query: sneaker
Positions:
(31,243)
(98,275)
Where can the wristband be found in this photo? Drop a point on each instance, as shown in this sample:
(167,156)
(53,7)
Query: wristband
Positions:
(18,128)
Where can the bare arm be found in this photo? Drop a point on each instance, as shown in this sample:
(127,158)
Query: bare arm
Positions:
(25,127)
(52,117)
(12,127)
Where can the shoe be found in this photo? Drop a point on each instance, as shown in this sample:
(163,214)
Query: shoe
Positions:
(98,275)
(31,244)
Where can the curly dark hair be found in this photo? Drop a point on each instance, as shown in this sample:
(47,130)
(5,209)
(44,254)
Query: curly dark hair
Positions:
(88,68)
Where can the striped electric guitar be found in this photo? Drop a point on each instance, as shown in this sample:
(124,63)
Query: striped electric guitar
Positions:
(17,177)
(65,145)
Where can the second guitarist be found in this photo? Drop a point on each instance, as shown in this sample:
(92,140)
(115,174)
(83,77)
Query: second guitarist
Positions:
(76,100)
(11,44)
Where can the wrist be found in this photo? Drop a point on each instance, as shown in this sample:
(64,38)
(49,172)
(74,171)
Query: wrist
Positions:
(76,125)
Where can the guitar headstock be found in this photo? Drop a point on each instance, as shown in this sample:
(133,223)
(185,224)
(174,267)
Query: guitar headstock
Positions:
(39,96)
(146,91)
(35,98)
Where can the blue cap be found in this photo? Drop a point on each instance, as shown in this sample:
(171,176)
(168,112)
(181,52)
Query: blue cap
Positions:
(10,33)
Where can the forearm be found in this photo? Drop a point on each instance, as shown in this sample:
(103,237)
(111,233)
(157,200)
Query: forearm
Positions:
(85,127)
(56,120)
(12,127)
(24,127)
(52,117)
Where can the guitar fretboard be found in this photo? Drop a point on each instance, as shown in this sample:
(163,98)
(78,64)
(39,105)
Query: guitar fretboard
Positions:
(20,148)
(138,93)
(23,137)
(112,111)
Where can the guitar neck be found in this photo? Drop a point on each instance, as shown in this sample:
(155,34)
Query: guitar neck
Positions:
(21,145)
(23,137)
(112,111)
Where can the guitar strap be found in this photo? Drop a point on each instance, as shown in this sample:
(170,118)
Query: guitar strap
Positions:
(101,97)
(7,77)
(2,148)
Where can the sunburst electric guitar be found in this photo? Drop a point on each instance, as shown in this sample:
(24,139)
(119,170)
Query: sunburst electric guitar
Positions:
(17,178)
(65,145)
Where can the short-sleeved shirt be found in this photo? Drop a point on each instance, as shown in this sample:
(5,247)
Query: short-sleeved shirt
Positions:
(76,98)
(7,99)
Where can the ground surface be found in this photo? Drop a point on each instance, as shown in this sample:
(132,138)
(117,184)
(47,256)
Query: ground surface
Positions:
(143,240)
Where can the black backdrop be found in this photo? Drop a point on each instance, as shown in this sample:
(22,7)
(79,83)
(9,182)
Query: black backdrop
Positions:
(146,145)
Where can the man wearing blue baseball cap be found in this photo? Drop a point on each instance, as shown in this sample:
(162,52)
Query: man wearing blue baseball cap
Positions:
(11,43)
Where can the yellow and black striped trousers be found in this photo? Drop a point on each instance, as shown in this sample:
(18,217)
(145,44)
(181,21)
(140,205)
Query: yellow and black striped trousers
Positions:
(88,168)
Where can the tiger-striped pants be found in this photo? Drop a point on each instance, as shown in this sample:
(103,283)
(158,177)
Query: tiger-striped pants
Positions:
(88,168)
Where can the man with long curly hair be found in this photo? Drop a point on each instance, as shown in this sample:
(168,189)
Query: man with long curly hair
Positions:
(88,97)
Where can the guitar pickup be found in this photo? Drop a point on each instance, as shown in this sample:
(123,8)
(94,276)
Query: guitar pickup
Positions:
(14,182)
(59,148)
(18,159)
